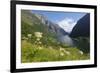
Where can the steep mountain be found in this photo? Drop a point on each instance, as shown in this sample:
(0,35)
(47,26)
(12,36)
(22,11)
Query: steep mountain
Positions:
(82,28)
(81,34)
(32,22)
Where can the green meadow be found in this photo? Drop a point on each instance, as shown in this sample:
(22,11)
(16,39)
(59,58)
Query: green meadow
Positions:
(32,52)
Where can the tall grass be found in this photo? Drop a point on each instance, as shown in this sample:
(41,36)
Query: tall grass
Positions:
(35,53)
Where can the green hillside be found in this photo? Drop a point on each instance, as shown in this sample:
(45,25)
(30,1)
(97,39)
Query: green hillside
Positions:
(38,44)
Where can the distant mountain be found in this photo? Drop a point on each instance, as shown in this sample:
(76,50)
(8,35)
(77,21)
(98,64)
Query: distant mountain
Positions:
(67,24)
(82,28)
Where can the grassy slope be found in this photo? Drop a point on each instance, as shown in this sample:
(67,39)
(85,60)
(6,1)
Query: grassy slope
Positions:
(37,53)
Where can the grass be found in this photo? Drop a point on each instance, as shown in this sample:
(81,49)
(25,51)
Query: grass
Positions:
(36,53)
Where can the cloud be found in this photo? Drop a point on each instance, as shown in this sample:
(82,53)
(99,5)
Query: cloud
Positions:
(67,24)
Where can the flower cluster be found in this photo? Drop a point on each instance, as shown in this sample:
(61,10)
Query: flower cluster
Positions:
(64,51)
(81,52)
(38,34)
(29,35)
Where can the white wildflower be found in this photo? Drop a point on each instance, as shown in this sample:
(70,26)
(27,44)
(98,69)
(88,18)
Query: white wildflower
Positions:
(40,42)
(61,49)
(62,54)
(81,52)
(38,34)
(29,35)
(24,38)
(38,39)
(67,52)
(40,48)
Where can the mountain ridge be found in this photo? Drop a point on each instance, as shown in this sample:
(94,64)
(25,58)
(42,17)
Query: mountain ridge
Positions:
(82,28)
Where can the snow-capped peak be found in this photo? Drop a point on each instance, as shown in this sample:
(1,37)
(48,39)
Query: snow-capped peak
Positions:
(67,24)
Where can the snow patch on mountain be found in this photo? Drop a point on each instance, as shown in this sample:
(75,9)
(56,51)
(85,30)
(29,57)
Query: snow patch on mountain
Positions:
(67,24)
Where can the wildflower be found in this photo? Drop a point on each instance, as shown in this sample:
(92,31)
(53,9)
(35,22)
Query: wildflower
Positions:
(62,54)
(38,34)
(67,52)
(29,35)
(40,42)
(38,39)
(81,52)
(40,48)
(24,38)
(61,49)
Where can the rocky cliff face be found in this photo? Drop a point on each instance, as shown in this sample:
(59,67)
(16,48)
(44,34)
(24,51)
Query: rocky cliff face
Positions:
(82,28)
(32,22)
